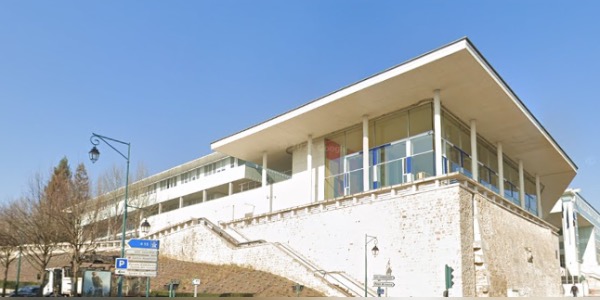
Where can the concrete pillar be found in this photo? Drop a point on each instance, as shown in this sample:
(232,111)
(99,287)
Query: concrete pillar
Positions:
(309,169)
(365,148)
(521,184)
(264,169)
(230,188)
(538,195)
(203,195)
(180,202)
(474,157)
(437,132)
(159,208)
(500,169)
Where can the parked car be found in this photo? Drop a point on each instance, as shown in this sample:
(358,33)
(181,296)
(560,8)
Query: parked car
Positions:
(26,291)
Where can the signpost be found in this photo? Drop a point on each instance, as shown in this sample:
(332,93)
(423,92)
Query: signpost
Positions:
(196,283)
(141,259)
(121,266)
(380,281)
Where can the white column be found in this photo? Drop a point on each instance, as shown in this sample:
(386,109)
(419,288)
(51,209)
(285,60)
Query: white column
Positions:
(180,202)
(474,157)
(521,184)
(264,169)
(160,208)
(437,132)
(538,195)
(203,195)
(500,170)
(366,180)
(230,188)
(309,169)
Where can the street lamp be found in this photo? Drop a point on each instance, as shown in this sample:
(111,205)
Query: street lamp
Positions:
(94,155)
(375,251)
(145,227)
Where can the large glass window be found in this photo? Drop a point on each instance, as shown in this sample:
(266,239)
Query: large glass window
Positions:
(488,166)
(456,146)
(343,163)
(420,120)
(511,181)
(421,164)
(389,129)
(388,164)
(391,159)
(530,195)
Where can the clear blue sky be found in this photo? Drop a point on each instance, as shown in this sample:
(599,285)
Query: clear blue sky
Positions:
(172,76)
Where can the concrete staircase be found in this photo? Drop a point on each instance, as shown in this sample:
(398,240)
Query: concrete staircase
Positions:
(336,284)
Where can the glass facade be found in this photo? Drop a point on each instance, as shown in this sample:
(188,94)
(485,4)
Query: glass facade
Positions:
(511,181)
(401,149)
(488,166)
(456,140)
(343,163)
(530,195)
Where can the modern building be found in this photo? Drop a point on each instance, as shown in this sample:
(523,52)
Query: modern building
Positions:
(436,162)
(579,241)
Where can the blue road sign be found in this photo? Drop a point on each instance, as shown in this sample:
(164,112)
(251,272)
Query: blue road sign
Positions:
(144,244)
(121,263)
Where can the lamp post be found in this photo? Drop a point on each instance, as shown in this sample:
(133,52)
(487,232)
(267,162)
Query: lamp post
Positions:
(94,155)
(375,251)
(145,227)
(18,270)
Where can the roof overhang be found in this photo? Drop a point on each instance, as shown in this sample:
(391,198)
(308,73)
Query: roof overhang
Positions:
(470,89)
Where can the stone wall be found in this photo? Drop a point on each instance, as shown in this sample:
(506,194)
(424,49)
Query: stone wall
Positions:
(522,257)
(418,232)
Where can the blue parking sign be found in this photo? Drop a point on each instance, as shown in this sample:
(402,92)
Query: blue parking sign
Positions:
(121,263)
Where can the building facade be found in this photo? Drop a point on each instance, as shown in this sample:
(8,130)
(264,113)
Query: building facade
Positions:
(436,161)
(579,241)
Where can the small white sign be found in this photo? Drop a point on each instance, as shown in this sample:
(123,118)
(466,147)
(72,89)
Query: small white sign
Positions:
(120,271)
(142,266)
(196,281)
(141,273)
(384,277)
(142,258)
(139,251)
(383,284)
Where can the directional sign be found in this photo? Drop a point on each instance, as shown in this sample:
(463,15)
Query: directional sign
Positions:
(143,266)
(144,244)
(120,271)
(121,263)
(142,258)
(139,251)
(383,277)
(383,284)
(141,273)
(195,281)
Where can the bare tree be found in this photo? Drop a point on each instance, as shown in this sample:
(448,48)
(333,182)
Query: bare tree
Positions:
(33,222)
(78,221)
(139,196)
(110,190)
(9,243)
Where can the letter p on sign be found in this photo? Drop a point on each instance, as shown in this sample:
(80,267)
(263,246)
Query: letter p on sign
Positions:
(121,263)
